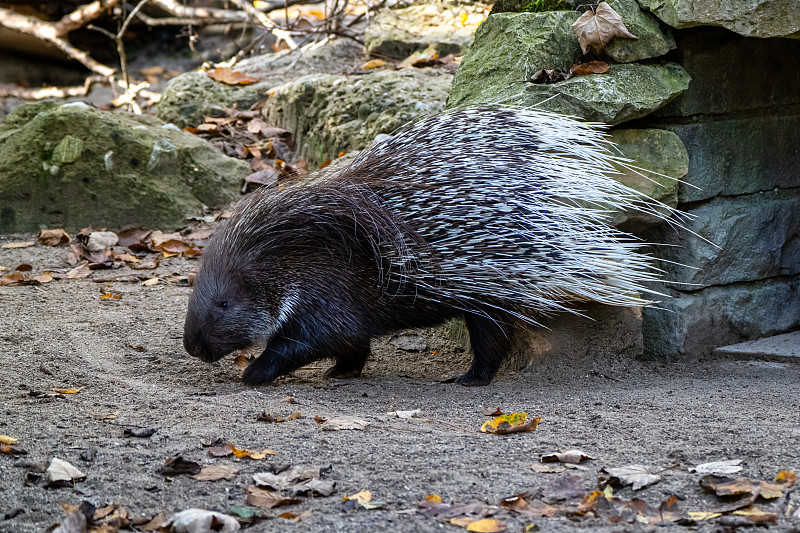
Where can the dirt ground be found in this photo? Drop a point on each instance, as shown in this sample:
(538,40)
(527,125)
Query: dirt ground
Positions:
(127,354)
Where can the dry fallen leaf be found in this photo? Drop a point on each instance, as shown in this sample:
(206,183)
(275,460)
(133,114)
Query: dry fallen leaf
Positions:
(572,456)
(53,237)
(175,466)
(592,67)
(200,521)
(5,439)
(519,504)
(267,499)
(81,270)
(216,472)
(484,525)
(595,29)
(725,486)
(336,424)
(547,469)
(373,63)
(25,244)
(252,454)
(730,466)
(786,476)
(433,498)
(230,77)
(361,497)
(61,471)
(639,476)
(511,423)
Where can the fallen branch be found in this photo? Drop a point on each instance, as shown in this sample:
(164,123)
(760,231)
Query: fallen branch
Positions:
(48,32)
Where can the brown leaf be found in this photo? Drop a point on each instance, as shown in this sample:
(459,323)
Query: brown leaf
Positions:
(154,524)
(725,486)
(373,63)
(25,244)
(221,451)
(297,480)
(80,271)
(216,472)
(60,472)
(230,77)
(595,29)
(266,176)
(546,469)
(9,449)
(786,477)
(520,505)
(24,267)
(134,238)
(488,411)
(175,466)
(267,499)
(53,237)
(592,67)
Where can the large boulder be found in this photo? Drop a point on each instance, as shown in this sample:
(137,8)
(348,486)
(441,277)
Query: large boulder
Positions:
(332,114)
(73,166)
(753,18)
(510,47)
(194,95)
(652,40)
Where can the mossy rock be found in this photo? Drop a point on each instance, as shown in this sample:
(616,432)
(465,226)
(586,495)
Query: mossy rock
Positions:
(73,166)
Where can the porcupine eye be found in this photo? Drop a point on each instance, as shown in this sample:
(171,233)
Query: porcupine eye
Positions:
(223,305)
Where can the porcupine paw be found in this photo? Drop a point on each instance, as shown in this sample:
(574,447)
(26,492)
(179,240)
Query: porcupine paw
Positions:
(257,374)
(341,372)
(474,379)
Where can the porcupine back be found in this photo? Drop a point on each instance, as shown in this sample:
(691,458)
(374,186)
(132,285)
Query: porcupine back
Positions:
(504,208)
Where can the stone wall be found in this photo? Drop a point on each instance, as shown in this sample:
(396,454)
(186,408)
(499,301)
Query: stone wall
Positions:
(740,123)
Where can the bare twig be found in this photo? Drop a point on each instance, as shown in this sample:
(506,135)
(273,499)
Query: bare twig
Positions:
(54,92)
(82,15)
(123,57)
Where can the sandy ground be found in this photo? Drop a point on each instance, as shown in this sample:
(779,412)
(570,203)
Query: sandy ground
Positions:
(127,354)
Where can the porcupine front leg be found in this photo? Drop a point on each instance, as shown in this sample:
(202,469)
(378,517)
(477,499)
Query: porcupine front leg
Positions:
(282,356)
(491,338)
(350,363)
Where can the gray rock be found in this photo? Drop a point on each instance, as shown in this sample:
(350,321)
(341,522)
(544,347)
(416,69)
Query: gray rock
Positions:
(193,95)
(691,325)
(73,166)
(397,33)
(757,236)
(660,152)
(753,18)
(651,42)
(332,114)
(510,47)
(409,343)
(740,156)
(731,73)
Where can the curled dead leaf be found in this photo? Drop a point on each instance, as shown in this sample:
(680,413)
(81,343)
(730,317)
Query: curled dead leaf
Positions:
(595,29)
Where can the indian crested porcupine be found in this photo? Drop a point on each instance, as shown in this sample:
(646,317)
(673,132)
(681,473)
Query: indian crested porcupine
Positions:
(497,214)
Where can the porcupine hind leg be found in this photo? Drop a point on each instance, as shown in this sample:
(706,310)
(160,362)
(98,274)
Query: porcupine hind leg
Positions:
(350,363)
(491,338)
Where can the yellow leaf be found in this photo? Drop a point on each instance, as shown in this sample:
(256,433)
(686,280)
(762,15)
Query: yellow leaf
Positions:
(702,515)
(373,63)
(786,476)
(511,423)
(252,454)
(433,498)
(463,18)
(69,391)
(487,525)
(361,497)
(5,439)
(110,295)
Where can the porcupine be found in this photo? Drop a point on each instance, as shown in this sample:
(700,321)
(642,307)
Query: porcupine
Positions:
(500,215)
